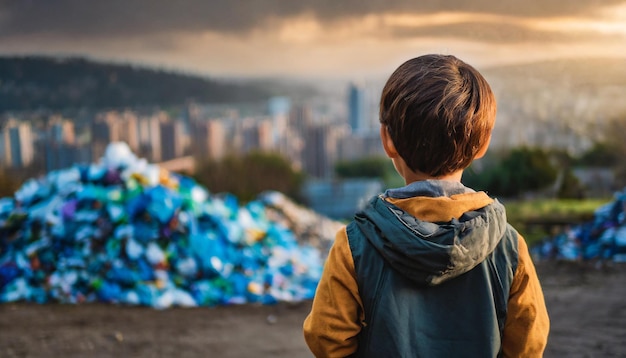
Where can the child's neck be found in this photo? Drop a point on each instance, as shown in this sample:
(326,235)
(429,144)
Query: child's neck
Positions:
(410,176)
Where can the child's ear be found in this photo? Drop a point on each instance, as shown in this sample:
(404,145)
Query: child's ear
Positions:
(385,138)
(483,150)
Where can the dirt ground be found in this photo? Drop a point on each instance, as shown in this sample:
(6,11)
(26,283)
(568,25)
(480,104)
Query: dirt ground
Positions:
(587,306)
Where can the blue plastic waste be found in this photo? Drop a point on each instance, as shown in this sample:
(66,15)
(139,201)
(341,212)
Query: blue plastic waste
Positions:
(603,238)
(125,231)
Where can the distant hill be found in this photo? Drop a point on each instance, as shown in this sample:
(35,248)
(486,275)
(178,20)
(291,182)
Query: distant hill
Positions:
(28,83)
(580,73)
(560,104)
(581,81)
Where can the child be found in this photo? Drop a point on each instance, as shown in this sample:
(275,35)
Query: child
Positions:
(431,269)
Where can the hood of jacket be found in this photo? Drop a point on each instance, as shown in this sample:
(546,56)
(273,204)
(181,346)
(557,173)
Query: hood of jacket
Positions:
(425,252)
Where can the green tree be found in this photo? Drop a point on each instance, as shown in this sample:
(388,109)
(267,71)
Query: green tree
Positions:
(570,187)
(567,185)
(614,134)
(521,170)
(370,167)
(248,175)
(600,155)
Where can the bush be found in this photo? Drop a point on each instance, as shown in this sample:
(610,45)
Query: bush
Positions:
(520,171)
(370,167)
(249,175)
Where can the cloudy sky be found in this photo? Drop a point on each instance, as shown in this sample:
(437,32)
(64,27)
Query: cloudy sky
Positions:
(312,38)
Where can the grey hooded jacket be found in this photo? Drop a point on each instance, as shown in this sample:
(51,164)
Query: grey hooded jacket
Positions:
(432,289)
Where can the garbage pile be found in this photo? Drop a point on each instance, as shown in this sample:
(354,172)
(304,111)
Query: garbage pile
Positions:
(603,238)
(126,231)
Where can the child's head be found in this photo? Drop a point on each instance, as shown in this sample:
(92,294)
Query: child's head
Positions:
(439,113)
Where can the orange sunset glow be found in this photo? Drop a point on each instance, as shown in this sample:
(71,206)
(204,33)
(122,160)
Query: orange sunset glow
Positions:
(345,44)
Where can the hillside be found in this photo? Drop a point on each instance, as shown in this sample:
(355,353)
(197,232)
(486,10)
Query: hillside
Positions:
(582,73)
(28,83)
(563,81)
(557,104)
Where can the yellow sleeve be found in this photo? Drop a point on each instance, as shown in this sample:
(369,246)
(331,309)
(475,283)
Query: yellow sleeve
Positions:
(332,327)
(527,322)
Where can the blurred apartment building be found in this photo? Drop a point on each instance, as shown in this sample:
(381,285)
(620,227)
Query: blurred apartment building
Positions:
(314,142)
(16,144)
(312,139)
(149,136)
(364,139)
(357,146)
(254,134)
(319,154)
(104,129)
(357,106)
(154,136)
(208,139)
(294,123)
(113,126)
(173,140)
(60,146)
(326,143)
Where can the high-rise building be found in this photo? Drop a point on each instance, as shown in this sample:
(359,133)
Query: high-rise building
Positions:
(18,144)
(60,147)
(258,135)
(279,110)
(104,130)
(172,140)
(360,145)
(290,146)
(357,108)
(149,134)
(320,150)
(113,126)
(190,113)
(63,155)
(60,131)
(129,130)
(208,139)
(300,118)
(254,133)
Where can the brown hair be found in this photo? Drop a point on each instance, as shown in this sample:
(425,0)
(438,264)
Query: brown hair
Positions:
(439,112)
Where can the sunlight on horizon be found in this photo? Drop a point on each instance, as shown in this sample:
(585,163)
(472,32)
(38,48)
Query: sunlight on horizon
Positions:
(305,45)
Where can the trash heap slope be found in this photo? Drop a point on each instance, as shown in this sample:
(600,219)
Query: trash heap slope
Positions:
(603,238)
(125,231)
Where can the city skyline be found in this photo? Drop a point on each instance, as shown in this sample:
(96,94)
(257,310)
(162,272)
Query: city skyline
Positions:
(323,39)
